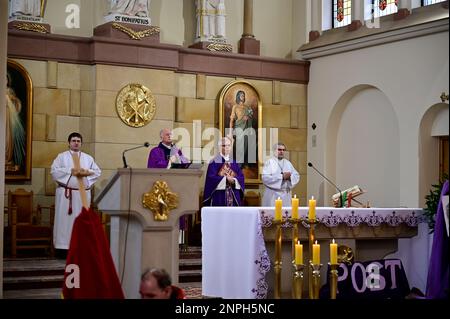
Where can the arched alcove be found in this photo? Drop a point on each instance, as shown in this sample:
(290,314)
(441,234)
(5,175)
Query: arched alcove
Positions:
(434,124)
(363,146)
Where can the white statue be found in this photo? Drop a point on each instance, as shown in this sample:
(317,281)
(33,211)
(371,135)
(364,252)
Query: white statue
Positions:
(25,7)
(137,8)
(210,20)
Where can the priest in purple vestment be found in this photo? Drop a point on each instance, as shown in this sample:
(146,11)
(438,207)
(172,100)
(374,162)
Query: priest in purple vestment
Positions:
(166,153)
(438,269)
(224,183)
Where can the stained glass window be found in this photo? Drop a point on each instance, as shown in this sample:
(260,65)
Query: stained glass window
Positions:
(428,2)
(342,13)
(384,7)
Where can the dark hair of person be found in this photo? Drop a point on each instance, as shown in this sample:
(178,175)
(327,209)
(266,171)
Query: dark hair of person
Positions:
(161,276)
(74,134)
(238,94)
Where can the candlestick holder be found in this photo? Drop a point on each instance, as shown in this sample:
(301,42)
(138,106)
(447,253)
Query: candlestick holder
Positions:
(278,262)
(297,281)
(294,222)
(315,270)
(333,280)
(311,224)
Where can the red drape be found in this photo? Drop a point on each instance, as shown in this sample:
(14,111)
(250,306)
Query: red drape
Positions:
(89,251)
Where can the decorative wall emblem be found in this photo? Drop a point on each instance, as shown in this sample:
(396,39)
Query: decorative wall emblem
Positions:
(219,47)
(34,27)
(135,105)
(136,35)
(160,200)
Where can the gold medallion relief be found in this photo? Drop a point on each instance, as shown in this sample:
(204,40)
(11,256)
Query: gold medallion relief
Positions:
(135,105)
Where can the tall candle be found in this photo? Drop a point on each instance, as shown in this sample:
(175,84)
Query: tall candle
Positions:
(298,254)
(278,205)
(316,254)
(312,209)
(294,207)
(333,253)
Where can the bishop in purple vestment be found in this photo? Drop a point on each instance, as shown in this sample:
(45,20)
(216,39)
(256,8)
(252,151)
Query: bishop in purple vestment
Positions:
(224,183)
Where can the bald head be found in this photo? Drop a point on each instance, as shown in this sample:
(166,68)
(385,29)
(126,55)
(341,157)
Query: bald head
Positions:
(166,136)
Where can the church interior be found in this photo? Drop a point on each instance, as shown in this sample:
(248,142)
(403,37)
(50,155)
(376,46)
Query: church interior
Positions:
(356,90)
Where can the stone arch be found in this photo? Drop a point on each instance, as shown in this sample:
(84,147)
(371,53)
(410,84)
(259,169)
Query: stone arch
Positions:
(434,123)
(363,145)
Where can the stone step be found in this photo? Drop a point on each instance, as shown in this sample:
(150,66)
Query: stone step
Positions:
(190,264)
(191,253)
(190,276)
(47,293)
(33,282)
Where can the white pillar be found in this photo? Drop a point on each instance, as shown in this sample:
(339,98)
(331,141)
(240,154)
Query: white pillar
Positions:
(405,4)
(316,15)
(3,58)
(357,10)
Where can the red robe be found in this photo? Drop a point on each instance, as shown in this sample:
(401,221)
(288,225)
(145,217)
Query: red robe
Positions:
(89,250)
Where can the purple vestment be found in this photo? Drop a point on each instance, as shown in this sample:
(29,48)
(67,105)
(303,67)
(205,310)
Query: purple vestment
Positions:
(159,156)
(222,197)
(438,270)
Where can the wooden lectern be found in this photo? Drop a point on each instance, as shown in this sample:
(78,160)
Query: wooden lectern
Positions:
(137,240)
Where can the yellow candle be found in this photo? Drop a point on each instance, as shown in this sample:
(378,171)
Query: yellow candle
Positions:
(316,253)
(298,254)
(312,209)
(278,205)
(294,207)
(333,253)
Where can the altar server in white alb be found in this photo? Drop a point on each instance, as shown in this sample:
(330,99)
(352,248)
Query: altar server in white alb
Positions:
(279,177)
(67,198)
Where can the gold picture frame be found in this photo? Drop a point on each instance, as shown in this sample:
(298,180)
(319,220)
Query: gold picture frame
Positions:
(19,123)
(251,164)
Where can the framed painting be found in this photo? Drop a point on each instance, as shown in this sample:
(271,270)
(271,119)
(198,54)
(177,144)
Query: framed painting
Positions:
(19,121)
(240,118)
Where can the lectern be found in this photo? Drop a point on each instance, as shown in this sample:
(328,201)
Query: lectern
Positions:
(137,240)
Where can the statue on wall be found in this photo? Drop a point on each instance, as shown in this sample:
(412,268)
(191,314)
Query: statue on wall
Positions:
(138,8)
(210,20)
(33,8)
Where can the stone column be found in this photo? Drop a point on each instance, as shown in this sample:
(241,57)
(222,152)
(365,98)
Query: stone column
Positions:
(3,57)
(248,44)
(357,15)
(316,20)
(248,19)
(404,9)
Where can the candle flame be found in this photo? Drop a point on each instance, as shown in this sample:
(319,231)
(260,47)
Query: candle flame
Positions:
(316,242)
(312,197)
(295,196)
(298,242)
(333,241)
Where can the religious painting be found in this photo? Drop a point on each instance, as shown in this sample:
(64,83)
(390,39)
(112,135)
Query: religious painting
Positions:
(240,118)
(19,119)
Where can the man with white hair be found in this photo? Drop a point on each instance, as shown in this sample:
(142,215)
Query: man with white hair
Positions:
(224,183)
(279,177)
(166,153)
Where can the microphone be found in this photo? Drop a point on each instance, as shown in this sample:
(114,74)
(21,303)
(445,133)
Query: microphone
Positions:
(125,165)
(340,192)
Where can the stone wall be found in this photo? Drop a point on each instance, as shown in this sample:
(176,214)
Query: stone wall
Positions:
(76,97)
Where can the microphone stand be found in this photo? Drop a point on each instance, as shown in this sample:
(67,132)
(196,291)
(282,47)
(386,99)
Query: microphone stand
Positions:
(341,201)
(125,165)
(124,160)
